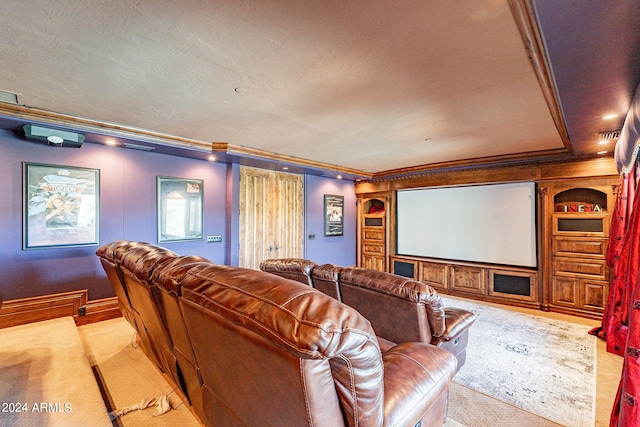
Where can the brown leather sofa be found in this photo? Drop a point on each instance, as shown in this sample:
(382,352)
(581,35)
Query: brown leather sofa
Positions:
(297,269)
(400,309)
(266,350)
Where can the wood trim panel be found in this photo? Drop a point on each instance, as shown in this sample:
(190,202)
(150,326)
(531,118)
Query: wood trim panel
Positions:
(46,307)
(99,310)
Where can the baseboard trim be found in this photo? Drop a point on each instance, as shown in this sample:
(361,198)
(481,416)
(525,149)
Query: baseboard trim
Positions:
(98,310)
(35,309)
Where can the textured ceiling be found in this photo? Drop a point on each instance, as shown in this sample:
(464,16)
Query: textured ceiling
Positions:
(366,84)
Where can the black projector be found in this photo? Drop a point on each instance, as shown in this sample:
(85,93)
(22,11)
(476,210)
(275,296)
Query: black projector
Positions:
(53,137)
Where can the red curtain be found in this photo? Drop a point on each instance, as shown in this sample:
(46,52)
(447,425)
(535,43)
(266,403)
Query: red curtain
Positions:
(621,320)
(615,318)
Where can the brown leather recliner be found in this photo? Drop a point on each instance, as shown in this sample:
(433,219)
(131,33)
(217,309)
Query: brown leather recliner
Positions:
(275,352)
(114,274)
(405,310)
(137,264)
(326,279)
(297,269)
(167,276)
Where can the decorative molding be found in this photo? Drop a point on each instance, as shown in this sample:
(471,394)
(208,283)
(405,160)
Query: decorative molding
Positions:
(36,309)
(449,170)
(524,13)
(46,307)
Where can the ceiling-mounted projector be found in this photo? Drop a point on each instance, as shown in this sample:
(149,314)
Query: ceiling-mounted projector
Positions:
(53,137)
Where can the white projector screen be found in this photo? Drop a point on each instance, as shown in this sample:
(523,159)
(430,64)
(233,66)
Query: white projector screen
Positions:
(486,223)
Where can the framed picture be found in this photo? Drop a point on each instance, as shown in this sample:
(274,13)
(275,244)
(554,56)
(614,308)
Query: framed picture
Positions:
(333,215)
(180,209)
(61,206)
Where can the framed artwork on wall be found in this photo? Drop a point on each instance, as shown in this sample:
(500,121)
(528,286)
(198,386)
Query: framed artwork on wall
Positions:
(333,215)
(180,209)
(61,206)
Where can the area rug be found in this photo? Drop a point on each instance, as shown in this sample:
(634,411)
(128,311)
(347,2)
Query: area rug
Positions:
(544,366)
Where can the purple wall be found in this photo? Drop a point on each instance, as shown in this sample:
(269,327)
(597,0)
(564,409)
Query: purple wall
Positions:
(128,211)
(339,250)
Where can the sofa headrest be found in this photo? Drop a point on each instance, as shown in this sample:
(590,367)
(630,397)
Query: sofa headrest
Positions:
(141,259)
(388,283)
(298,269)
(108,250)
(295,317)
(328,272)
(168,273)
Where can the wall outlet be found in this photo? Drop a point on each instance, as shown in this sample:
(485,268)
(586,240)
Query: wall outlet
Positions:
(212,239)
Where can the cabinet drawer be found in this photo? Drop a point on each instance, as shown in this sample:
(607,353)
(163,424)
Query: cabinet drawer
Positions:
(373,248)
(434,274)
(575,246)
(468,279)
(373,234)
(580,267)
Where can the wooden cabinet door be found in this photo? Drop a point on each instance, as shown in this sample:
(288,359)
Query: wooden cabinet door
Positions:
(271,216)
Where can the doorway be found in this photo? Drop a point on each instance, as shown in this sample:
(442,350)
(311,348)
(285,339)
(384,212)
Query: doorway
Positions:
(271,216)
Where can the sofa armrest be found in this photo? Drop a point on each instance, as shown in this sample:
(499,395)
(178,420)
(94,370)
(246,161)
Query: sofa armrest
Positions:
(416,375)
(457,320)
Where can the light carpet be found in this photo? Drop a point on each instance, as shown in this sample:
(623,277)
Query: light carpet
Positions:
(542,365)
(129,377)
(46,379)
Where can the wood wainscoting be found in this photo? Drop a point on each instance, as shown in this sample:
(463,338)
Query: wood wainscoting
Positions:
(35,309)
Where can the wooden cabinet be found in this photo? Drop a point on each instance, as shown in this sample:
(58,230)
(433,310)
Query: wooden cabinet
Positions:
(481,281)
(372,229)
(578,219)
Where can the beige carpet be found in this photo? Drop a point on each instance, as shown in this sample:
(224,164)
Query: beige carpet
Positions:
(46,379)
(470,408)
(128,377)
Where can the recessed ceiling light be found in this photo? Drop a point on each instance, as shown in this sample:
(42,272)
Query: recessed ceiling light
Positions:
(212,158)
(111,142)
(339,176)
(609,116)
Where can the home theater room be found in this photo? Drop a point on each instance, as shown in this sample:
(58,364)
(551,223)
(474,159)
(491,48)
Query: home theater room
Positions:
(320,213)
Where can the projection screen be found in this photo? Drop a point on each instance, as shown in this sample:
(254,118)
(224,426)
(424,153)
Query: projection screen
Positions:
(485,223)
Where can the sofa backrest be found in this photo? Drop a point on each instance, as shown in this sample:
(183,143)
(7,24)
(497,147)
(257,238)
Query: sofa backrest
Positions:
(400,309)
(297,269)
(110,264)
(137,264)
(285,345)
(326,279)
(167,276)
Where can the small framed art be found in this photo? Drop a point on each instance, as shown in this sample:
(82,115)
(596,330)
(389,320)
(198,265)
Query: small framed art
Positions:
(180,209)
